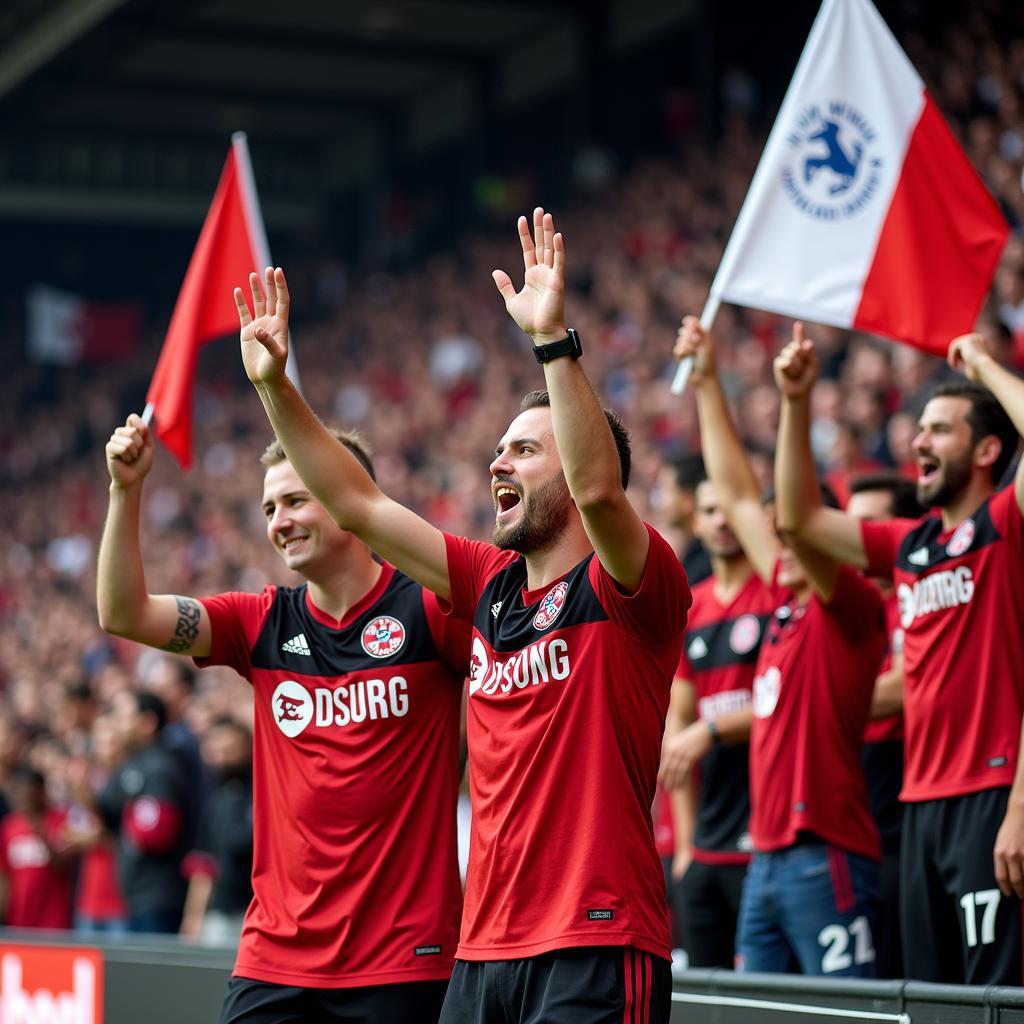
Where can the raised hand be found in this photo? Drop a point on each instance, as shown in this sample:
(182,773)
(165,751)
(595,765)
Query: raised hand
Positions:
(130,453)
(968,351)
(539,308)
(265,338)
(693,340)
(796,367)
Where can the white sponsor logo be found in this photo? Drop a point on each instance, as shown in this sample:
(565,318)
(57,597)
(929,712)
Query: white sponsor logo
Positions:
(745,633)
(766,692)
(540,662)
(27,851)
(697,650)
(918,557)
(292,707)
(714,705)
(297,645)
(937,592)
(961,539)
(43,1006)
(361,700)
(495,608)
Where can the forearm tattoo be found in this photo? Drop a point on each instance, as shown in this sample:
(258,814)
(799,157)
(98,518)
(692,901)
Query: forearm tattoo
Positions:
(187,627)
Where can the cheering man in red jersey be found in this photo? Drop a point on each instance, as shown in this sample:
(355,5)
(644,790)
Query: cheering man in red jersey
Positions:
(357,679)
(578,610)
(708,734)
(960,585)
(810,893)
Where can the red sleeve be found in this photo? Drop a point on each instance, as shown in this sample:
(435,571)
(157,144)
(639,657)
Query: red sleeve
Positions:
(152,824)
(198,862)
(882,540)
(858,606)
(235,623)
(1007,518)
(471,563)
(452,636)
(656,611)
(684,670)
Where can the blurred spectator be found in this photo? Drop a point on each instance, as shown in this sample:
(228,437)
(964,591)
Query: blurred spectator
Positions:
(35,870)
(144,803)
(99,903)
(219,868)
(674,505)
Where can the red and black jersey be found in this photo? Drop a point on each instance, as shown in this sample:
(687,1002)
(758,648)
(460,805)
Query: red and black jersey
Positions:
(568,692)
(812,695)
(961,605)
(355,782)
(720,650)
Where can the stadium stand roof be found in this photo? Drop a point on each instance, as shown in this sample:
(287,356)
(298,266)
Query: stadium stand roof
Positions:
(121,110)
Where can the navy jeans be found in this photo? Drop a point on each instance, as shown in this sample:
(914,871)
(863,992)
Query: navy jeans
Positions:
(811,909)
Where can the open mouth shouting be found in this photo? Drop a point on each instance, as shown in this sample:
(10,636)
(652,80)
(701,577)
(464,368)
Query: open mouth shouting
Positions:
(927,470)
(506,498)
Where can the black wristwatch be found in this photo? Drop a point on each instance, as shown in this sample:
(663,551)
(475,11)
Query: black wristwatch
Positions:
(568,346)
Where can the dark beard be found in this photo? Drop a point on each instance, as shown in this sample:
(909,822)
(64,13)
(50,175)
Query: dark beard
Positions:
(544,519)
(955,477)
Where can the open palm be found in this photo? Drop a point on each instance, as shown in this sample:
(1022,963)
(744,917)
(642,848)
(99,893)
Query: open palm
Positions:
(539,307)
(264,336)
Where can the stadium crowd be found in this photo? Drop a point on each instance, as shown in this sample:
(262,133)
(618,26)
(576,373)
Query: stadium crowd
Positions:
(424,364)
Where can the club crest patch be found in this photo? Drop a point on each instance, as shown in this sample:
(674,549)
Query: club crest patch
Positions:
(383,637)
(551,606)
(961,539)
(745,633)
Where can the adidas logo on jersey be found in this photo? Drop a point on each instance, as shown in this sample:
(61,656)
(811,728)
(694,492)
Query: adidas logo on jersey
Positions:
(495,608)
(297,645)
(698,649)
(918,557)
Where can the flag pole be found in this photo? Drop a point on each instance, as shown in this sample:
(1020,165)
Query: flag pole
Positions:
(685,368)
(254,215)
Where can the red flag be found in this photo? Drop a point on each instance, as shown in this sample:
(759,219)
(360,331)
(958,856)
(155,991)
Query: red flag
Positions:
(231,245)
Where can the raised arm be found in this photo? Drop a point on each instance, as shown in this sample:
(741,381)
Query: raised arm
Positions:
(727,464)
(126,608)
(799,511)
(327,468)
(583,437)
(970,353)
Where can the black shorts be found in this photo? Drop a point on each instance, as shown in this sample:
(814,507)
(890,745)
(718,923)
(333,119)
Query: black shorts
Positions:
(957,925)
(707,903)
(589,985)
(262,1002)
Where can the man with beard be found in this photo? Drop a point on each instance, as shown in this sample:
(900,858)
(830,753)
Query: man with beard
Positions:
(960,587)
(707,737)
(357,679)
(809,898)
(577,610)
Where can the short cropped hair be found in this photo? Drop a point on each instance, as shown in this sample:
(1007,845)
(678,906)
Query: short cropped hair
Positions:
(351,439)
(986,418)
(150,704)
(542,400)
(901,489)
(689,471)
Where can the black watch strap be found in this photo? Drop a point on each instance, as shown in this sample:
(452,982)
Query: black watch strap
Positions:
(568,346)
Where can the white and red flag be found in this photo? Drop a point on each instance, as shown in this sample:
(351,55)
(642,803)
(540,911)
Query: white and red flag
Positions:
(864,211)
(64,329)
(231,245)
